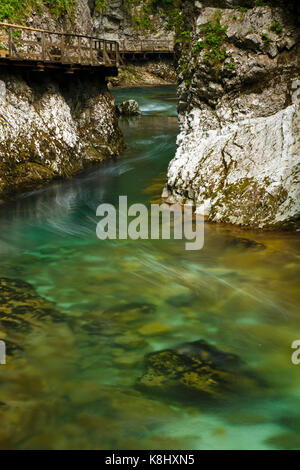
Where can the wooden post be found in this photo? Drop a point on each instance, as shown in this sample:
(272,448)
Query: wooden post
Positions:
(10,42)
(91,50)
(104,52)
(43,47)
(62,48)
(117,54)
(79,49)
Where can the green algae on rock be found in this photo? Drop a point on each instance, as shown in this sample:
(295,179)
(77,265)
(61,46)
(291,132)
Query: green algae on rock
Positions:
(197,370)
(21,309)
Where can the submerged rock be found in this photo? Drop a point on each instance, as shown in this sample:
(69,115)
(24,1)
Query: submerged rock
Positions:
(246,243)
(181,300)
(196,369)
(21,309)
(111,321)
(128,108)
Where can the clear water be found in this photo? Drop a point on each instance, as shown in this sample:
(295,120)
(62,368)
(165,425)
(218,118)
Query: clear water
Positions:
(73,386)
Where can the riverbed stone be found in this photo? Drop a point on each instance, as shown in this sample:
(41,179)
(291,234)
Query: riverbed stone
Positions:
(154,328)
(20,305)
(198,370)
(22,310)
(181,300)
(240,242)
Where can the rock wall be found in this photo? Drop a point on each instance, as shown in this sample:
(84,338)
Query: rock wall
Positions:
(53,125)
(117,22)
(160,71)
(238,155)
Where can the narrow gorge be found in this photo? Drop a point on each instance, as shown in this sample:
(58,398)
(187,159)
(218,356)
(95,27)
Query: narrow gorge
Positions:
(124,324)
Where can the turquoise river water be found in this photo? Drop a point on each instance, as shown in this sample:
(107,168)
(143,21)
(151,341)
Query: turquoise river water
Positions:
(72,384)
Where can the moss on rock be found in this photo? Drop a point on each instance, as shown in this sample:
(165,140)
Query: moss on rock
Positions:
(197,370)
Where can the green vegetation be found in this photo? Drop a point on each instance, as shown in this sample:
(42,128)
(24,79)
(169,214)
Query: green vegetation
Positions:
(142,14)
(241,9)
(17,11)
(184,36)
(214,36)
(276,27)
(101,5)
(261,3)
(61,7)
(185,69)
(266,38)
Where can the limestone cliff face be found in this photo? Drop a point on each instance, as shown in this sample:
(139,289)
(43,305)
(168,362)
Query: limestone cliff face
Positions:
(116,22)
(119,22)
(238,156)
(53,125)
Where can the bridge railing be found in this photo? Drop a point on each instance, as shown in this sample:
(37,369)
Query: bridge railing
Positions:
(32,44)
(146,45)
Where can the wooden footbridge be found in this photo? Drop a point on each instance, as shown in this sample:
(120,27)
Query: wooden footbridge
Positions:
(40,50)
(130,48)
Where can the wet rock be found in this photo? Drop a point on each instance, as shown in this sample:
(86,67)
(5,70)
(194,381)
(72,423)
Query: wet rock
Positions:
(285,441)
(181,300)
(21,309)
(291,422)
(130,341)
(128,108)
(110,322)
(246,243)
(153,329)
(197,370)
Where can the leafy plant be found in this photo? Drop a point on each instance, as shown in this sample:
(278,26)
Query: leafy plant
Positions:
(17,11)
(261,3)
(276,27)
(230,66)
(266,38)
(101,5)
(214,35)
(61,7)
(184,36)
(241,9)
(142,16)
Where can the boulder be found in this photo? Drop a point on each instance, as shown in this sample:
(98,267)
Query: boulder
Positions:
(195,370)
(22,310)
(128,108)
